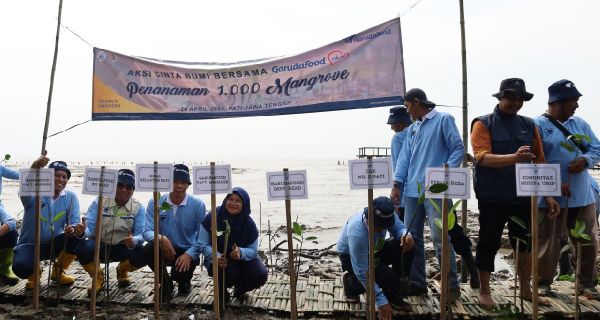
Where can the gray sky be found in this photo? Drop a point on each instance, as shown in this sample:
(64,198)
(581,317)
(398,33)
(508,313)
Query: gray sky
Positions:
(539,40)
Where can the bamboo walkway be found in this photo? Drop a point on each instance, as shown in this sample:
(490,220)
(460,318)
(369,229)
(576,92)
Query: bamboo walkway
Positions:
(316,297)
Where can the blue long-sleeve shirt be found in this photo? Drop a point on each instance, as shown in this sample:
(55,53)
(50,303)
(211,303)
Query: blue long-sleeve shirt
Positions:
(138,217)
(181,226)
(581,193)
(354,241)
(397,142)
(67,202)
(247,253)
(8,173)
(431,142)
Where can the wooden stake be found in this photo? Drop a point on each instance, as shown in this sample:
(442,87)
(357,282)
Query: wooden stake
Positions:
(215,263)
(577,280)
(157,271)
(465,125)
(371,234)
(534,257)
(445,268)
(36,249)
(291,269)
(97,234)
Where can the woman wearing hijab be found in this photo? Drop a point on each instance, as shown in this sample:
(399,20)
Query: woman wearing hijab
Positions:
(242,267)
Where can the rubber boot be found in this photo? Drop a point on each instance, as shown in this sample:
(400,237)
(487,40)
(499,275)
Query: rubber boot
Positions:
(6,274)
(89,268)
(122,273)
(473,274)
(58,270)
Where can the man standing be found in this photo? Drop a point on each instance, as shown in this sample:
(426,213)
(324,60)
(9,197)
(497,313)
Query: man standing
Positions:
(121,235)
(59,215)
(556,126)
(353,249)
(500,140)
(399,119)
(432,140)
(8,234)
(180,217)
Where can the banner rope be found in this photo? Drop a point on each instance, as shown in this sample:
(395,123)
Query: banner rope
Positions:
(71,127)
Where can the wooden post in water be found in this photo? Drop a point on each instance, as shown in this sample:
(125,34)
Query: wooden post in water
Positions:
(445,268)
(213,234)
(97,235)
(371,233)
(534,257)
(157,288)
(290,245)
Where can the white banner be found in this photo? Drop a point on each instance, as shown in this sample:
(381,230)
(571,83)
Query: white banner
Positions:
(364,70)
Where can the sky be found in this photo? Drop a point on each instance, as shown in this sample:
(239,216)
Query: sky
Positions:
(540,41)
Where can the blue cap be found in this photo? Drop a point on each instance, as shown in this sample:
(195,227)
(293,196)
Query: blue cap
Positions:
(62,166)
(399,114)
(561,90)
(126,176)
(383,212)
(181,172)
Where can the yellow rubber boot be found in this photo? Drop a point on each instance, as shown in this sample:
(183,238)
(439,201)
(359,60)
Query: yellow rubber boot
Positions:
(58,270)
(122,273)
(29,284)
(99,277)
(6,274)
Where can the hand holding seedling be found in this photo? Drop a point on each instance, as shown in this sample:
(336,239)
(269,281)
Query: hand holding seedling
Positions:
(167,248)
(577,165)
(80,229)
(407,243)
(128,241)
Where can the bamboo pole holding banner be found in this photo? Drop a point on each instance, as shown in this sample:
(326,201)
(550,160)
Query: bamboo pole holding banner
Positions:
(36,249)
(291,269)
(465,126)
(371,233)
(52,72)
(37,236)
(213,234)
(534,257)
(97,244)
(157,271)
(445,309)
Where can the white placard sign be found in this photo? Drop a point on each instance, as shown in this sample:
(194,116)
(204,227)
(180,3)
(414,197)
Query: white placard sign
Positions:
(538,179)
(296,185)
(206,183)
(91,182)
(30,185)
(145,177)
(457,179)
(371,174)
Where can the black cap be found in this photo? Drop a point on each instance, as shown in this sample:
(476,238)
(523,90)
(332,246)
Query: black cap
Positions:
(418,95)
(515,85)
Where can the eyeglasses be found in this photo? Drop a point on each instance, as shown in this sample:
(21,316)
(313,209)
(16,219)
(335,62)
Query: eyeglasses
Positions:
(121,185)
(235,201)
